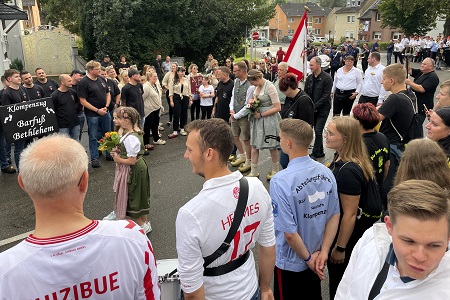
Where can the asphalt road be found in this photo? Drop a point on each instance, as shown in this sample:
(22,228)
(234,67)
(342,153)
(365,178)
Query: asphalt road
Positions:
(172,185)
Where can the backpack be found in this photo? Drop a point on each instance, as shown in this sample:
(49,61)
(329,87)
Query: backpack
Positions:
(415,128)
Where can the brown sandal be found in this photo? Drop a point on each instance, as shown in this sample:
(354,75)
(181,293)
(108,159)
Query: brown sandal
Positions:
(149,147)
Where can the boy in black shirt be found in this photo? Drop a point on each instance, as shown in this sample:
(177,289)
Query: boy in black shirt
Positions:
(66,103)
(132,92)
(34,91)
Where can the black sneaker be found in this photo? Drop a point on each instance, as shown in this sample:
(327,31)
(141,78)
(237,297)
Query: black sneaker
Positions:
(95,163)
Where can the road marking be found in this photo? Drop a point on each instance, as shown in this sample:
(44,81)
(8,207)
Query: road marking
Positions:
(15,238)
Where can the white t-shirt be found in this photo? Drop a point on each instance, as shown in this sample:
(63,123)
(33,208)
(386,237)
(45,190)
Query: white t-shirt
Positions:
(202,225)
(104,260)
(207,90)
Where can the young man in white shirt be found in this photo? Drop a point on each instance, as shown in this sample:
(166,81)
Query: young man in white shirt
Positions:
(372,90)
(203,223)
(69,256)
(408,253)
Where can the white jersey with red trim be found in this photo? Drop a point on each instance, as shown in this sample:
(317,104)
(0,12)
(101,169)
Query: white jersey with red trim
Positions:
(104,260)
(202,225)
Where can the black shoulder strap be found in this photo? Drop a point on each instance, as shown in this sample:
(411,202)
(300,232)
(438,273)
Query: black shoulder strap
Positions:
(379,281)
(238,215)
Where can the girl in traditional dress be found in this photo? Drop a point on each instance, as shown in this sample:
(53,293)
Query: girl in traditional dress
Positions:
(132,181)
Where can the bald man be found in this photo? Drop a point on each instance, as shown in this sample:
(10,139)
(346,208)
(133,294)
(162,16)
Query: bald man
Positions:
(67,105)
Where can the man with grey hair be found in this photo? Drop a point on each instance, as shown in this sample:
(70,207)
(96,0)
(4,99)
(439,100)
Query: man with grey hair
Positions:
(318,86)
(85,256)
(424,85)
(282,70)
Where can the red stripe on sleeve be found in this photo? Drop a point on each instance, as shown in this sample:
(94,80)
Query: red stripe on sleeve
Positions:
(130,225)
(147,258)
(148,285)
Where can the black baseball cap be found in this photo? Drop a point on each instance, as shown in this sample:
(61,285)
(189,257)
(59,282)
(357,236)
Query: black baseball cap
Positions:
(76,71)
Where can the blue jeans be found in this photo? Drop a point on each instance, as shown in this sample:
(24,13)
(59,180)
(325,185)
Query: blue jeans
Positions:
(3,160)
(94,124)
(81,118)
(73,132)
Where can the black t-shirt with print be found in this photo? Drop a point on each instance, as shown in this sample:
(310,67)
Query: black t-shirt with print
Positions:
(36,92)
(12,96)
(377,146)
(429,82)
(113,91)
(49,87)
(300,107)
(66,108)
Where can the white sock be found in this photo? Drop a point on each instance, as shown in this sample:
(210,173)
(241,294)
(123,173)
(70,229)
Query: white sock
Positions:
(254,169)
(248,162)
(175,133)
(243,156)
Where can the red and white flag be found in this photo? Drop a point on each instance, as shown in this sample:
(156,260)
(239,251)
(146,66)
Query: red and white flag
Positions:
(296,55)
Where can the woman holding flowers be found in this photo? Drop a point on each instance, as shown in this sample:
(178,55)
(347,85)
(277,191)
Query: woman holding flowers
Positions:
(264,121)
(132,181)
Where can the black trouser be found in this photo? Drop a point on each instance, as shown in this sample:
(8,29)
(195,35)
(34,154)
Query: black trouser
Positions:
(285,284)
(342,102)
(170,107)
(206,112)
(151,122)
(398,55)
(333,71)
(364,65)
(365,99)
(433,55)
(195,107)
(320,118)
(180,107)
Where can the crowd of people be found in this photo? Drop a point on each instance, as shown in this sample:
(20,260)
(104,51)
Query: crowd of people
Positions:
(378,212)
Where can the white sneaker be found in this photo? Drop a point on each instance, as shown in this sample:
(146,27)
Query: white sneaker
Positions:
(111,217)
(159,142)
(146,227)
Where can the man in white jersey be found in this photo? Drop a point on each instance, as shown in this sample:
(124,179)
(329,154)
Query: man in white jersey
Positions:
(203,223)
(69,256)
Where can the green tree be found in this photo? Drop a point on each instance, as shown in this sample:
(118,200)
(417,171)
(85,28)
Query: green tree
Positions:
(332,3)
(413,17)
(66,13)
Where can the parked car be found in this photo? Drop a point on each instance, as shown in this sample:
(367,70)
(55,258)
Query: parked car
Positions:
(287,38)
(320,39)
(262,41)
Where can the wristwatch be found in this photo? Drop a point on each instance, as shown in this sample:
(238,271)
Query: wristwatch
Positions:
(340,249)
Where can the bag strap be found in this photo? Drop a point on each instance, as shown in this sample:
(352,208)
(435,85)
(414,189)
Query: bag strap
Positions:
(238,215)
(341,168)
(414,109)
(379,281)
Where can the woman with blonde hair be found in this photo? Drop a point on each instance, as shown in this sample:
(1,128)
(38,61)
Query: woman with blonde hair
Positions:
(152,106)
(353,171)
(264,121)
(423,159)
(124,79)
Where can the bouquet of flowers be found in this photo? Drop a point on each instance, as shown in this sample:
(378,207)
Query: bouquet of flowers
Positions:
(253,104)
(109,141)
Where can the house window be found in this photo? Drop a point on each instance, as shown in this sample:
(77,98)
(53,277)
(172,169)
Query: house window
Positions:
(310,21)
(318,20)
(348,3)
(377,35)
(349,19)
(291,20)
(378,17)
(396,35)
(317,31)
(359,2)
(353,2)
(349,34)
(353,19)
(280,32)
(290,32)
